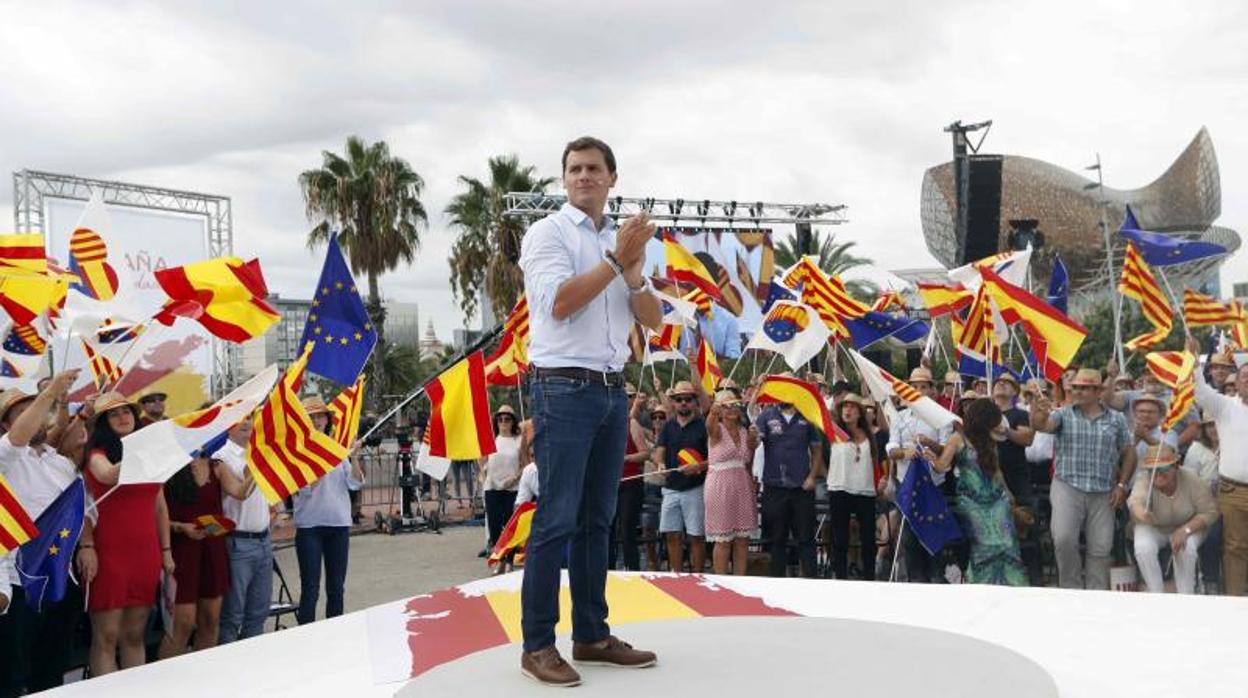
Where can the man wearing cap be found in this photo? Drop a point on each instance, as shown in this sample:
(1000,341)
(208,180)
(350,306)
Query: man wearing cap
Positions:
(586,289)
(1231,416)
(1171,507)
(246,604)
(904,439)
(1188,427)
(681,448)
(35,647)
(1094,461)
(792,465)
(153,406)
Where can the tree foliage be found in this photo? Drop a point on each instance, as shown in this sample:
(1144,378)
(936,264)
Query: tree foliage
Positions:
(834,258)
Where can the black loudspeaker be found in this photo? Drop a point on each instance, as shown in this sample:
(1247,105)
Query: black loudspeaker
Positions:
(983,208)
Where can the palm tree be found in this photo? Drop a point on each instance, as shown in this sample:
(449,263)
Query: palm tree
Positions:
(484,259)
(834,258)
(373,201)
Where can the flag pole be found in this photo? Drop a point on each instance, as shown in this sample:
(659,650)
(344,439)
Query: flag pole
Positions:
(1174,301)
(483,340)
(901,532)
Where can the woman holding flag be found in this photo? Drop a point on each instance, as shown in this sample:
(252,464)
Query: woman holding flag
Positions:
(731,517)
(131,539)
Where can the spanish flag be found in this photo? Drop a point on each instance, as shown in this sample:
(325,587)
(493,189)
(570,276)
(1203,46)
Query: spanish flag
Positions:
(214,525)
(230,292)
(1042,322)
(689,456)
(23,252)
(805,398)
(684,267)
(515,534)
(346,410)
(708,367)
(285,453)
(1138,282)
(460,426)
(511,358)
(943,299)
(16,526)
(26,288)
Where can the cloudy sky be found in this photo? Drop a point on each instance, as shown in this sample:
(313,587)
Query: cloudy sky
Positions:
(837,102)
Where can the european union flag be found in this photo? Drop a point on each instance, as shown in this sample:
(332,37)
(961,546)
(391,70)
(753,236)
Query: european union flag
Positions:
(925,509)
(1059,285)
(1159,249)
(974,366)
(777,291)
(43,563)
(875,325)
(338,323)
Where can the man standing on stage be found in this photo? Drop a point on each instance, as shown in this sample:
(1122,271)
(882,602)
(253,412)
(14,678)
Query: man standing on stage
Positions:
(585,287)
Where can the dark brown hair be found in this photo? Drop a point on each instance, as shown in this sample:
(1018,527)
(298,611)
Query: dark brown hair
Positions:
(585,143)
(978,421)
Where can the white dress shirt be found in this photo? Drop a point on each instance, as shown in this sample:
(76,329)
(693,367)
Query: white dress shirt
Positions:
(905,434)
(556,248)
(850,468)
(529,489)
(251,514)
(37,476)
(1231,416)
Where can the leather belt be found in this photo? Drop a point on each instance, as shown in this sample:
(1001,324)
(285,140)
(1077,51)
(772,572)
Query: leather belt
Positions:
(608,378)
(250,534)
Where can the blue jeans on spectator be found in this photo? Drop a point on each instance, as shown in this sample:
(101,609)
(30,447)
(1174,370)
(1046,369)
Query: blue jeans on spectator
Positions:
(312,545)
(246,604)
(580,428)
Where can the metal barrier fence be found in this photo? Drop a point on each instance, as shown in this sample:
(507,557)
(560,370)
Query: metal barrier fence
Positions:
(382,491)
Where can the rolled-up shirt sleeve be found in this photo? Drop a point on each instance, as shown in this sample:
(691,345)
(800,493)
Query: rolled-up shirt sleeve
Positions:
(546,263)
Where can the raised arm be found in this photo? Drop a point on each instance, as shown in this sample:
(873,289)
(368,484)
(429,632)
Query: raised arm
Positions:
(1041,417)
(944,462)
(32,420)
(239,488)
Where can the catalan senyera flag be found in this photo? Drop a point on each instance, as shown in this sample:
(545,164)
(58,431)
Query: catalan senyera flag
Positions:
(1171,367)
(511,358)
(459,424)
(978,332)
(942,299)
(683,267)
(230,292)
(346,409)
(1180,403)
(887,300)
(16,526)
(88,259)
(23,252)
(103,371)
(805,398)
(826,294)
(1239,330)
(1202,311)
(515,534)
(285,452)
(708,367)
(882,385)
(1138,282)
(701,300)
(1044,325)
(517,325)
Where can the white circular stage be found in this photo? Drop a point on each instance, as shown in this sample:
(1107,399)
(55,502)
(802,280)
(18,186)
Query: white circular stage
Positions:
(770,656)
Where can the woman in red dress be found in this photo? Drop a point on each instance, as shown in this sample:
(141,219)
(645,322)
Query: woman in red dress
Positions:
(202,564)
(131,541)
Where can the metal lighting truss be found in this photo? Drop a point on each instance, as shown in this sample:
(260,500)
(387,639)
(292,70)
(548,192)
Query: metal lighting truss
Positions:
(31,187)
(529,205)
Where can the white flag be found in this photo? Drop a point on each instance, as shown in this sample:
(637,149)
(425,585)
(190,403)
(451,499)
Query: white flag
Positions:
(677,311)
(1011,266)
(435,467)
(157,451)
(882,385)
(792,330)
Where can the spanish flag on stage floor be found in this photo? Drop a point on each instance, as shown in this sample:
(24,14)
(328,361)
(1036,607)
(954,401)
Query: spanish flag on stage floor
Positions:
(285,452)
(515,534)
(806,399)
(346,410)
(460,427)
(230,292)
(16,527)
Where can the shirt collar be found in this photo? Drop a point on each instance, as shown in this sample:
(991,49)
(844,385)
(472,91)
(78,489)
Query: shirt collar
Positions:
(581,220)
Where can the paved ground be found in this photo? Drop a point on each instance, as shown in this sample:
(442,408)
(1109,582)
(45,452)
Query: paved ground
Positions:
(385,568)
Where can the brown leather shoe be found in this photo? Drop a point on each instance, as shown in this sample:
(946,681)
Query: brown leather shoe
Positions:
(612,652)
(546,667)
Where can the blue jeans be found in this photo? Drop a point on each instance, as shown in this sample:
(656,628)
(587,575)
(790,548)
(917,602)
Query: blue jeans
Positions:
(246,604)
(312,545)
(580,428)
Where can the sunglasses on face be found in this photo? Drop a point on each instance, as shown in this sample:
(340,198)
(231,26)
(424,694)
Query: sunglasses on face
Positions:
(504,417)
(682,398)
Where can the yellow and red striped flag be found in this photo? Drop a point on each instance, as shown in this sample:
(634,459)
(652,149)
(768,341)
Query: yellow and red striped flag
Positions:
(26,287)
(826,294)
(515,534)
(103,371)
(511,358)
(942,299)
(701,300)
(889,299)
(23,253)
(1202,311)
(1180,403)
(88,260)
(16,526)
(460,427)
(285,452)
(215,525)
(684,267)
(1139,283)
(1171,367)
(517,325)
(708,367)
(805,398)
(346,409)
(1239,330)
(230,293)
(689,456)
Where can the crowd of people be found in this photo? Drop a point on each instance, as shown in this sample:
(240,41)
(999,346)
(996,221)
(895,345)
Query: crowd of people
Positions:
(147,545)
(709,478)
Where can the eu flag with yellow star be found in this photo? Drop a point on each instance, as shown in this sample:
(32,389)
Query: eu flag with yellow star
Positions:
(338,324)
(43,563)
